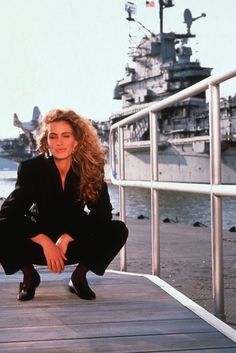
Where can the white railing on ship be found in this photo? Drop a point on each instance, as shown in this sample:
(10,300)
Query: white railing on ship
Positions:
(215,188)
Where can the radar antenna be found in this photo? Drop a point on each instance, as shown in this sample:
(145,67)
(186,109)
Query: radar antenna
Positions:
(188,19)
(130,8)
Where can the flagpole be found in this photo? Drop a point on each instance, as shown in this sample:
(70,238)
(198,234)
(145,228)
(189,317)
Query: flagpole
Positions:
(161,15)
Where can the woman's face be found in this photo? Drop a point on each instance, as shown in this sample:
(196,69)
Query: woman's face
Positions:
(61,140)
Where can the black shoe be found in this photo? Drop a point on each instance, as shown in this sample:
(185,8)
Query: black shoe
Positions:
(82,289)
(28,292)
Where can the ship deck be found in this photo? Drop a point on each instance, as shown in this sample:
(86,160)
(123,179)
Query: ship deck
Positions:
(132,313)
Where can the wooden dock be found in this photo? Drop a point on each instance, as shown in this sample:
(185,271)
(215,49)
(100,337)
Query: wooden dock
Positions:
(132,313)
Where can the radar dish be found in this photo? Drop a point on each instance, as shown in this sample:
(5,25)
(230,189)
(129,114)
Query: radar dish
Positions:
(188,19)
(130,8)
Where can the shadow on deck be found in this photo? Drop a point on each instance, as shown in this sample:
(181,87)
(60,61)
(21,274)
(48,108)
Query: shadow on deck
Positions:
(132,313)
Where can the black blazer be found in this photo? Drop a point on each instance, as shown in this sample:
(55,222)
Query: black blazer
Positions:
(38,204)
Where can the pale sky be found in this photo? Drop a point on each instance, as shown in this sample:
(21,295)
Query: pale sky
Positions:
(70,53)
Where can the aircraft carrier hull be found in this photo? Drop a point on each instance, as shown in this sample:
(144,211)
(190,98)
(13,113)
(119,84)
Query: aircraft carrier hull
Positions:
(179,164)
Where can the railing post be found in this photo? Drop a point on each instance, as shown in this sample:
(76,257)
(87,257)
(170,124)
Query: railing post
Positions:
(123,255)
(154,194)
(216,203)
(112,153)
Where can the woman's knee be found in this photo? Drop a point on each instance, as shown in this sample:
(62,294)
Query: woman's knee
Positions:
(120,229)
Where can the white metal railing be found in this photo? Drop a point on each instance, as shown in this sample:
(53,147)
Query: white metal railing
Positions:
(215,188)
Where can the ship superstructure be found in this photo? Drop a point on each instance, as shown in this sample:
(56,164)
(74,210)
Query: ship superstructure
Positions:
(162,67)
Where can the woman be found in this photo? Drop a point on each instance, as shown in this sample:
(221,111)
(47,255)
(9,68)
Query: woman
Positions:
(59,212)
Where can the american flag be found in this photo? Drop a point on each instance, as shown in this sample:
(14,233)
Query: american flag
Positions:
(150,3)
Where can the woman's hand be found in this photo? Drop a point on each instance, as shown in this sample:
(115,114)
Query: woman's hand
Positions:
(54,255)
(63,242)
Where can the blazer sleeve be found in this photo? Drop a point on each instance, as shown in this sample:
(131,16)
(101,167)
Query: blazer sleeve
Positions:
(13,214)
(100,210)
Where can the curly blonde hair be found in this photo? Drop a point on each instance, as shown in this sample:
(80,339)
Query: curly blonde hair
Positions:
(89,156)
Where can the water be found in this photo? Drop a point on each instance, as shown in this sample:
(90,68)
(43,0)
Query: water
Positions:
(186,208)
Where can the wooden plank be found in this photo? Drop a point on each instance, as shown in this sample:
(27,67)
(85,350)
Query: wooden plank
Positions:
(53,316)
(104,329)
(155,343)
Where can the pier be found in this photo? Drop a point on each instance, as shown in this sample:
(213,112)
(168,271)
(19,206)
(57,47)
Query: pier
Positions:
(134,311)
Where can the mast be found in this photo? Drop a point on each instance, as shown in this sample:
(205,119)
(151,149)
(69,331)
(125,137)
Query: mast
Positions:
(161,15)
(162,5)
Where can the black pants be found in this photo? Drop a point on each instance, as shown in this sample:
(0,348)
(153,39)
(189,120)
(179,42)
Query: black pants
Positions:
(95,251)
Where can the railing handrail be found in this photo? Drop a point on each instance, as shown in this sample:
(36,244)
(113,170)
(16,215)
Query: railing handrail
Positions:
(215,188)
(218,190)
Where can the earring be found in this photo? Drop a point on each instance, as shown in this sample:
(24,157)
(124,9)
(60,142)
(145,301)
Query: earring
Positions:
(74,150)
(47,154)
(74,158)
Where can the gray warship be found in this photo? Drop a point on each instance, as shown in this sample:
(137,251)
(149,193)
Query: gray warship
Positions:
(24,146)
(162,66)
